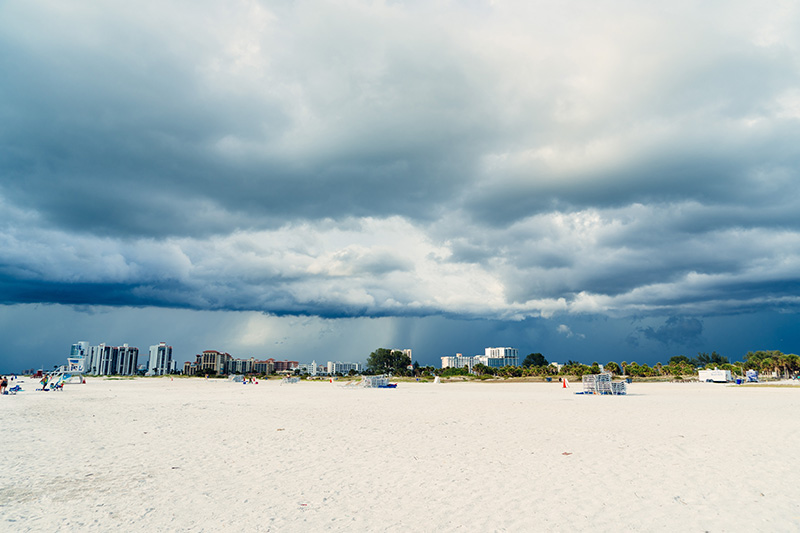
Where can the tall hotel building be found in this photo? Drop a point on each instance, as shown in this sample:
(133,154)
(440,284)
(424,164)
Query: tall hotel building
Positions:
(492,357)
(160,362)
(102,360)
(500,357)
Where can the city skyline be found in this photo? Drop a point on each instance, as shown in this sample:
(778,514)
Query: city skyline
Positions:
(602,181)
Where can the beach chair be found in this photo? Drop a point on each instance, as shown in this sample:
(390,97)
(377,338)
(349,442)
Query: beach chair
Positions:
(377,382)
(602,383)
(589,384)
(619,388)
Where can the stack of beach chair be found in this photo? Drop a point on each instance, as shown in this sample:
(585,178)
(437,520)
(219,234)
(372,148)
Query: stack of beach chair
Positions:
(588,383)
(602,384)
(377,382)
(619,387)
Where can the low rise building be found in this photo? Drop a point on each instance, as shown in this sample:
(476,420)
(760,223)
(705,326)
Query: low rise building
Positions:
(190,368)
(312,369)
(339,367)
(458,361)
(263,367)
(284,366)
(240,366)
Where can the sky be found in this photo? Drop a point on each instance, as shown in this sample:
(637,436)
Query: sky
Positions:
(311,180)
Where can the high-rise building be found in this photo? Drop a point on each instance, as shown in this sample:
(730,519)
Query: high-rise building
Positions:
(492,357)
(103,360)
(160,362)
(127,360)
(93,357)
(499,357)
(212,361)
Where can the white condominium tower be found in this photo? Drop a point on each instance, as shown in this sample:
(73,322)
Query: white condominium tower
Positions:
(102,360)
(500,357)
(160,362)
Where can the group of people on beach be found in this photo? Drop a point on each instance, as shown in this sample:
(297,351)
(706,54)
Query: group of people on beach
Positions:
(55,384)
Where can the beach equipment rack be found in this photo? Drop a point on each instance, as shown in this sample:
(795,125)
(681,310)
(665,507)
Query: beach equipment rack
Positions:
(377,382)
(602,384)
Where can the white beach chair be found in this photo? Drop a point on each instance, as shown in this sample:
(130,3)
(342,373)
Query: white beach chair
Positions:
(619,388)
(589,384)
(376,382)
(602,383)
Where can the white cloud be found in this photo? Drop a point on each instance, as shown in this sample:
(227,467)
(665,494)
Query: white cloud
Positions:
(499,160)
(565,330)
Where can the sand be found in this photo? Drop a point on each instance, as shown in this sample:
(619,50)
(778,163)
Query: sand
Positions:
(213,455)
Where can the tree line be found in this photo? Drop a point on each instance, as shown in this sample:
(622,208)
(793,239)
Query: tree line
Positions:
(384,361)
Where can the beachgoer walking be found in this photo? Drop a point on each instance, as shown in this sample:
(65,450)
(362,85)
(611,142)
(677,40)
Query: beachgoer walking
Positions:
(3,385)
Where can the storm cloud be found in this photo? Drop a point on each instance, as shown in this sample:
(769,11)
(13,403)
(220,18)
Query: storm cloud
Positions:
(499,161)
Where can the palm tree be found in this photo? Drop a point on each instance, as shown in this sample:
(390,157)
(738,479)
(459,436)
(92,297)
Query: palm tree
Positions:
(793,361)
(788,364)
(767,365)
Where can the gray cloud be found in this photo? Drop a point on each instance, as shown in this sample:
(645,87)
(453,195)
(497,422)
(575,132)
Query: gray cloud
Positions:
(500,161)
(676,331)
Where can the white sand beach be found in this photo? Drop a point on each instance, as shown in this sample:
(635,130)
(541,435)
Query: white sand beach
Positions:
(213,455)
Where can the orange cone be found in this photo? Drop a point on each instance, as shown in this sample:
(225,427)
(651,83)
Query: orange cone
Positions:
(563,383)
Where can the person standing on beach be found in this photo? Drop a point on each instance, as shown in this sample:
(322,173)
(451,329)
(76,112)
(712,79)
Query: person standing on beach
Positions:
(3,385)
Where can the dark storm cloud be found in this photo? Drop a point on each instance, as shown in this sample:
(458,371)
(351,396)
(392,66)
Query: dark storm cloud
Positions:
(401,160)
(676,330)
(142,120)
(734,176)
